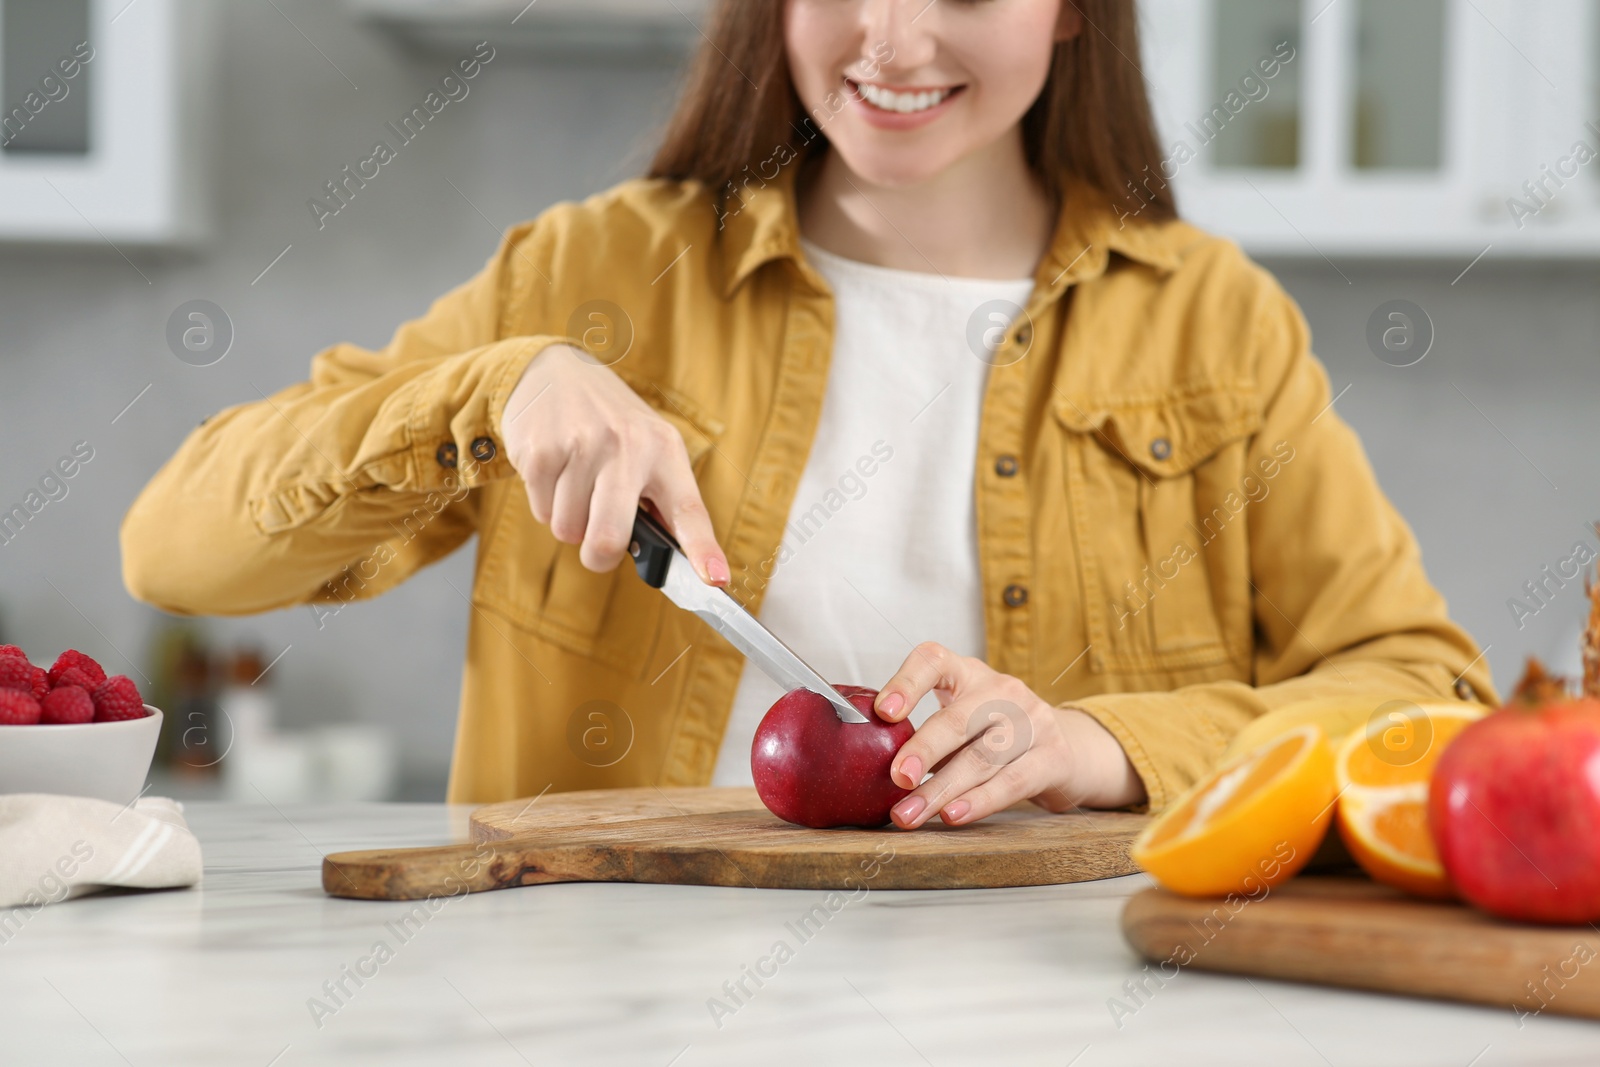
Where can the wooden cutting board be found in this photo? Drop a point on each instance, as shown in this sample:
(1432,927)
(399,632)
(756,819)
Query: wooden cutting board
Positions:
(1355,933)
(726,837)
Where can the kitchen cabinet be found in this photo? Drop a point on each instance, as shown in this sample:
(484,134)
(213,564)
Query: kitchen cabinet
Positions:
(1387,127)
(105,125)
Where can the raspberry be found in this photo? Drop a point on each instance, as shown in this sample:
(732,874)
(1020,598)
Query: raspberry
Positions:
(17,708)
(116,699)
(66,704)
(74,676)
(41,683)
(12,650)
(16,674)
(73,658)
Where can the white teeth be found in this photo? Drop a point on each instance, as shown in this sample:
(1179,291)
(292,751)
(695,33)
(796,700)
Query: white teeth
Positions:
(903,103)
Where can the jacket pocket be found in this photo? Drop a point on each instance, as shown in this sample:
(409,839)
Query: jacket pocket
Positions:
(539,585)
(1158,492)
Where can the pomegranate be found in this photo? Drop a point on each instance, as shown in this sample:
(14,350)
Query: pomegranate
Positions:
(1514,805)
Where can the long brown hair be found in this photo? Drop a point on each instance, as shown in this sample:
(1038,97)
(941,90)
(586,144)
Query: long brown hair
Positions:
(739,115)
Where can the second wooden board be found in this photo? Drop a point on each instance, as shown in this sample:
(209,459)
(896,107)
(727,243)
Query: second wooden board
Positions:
(1352,932)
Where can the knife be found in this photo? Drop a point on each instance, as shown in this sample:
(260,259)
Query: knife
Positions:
(662,564)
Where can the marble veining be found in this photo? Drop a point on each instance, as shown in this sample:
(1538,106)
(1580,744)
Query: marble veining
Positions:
(258,967)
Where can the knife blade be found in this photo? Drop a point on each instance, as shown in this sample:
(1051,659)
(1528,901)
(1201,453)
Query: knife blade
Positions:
(662,564)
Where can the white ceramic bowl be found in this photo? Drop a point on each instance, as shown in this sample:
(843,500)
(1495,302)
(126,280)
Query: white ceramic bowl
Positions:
(106,760)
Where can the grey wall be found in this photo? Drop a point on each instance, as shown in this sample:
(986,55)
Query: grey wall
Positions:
(81,334)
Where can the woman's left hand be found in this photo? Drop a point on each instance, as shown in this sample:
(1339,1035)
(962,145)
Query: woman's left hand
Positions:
(994,742)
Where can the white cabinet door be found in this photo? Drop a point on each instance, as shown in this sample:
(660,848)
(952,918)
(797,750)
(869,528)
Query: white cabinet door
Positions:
(1415,123)
(138,174)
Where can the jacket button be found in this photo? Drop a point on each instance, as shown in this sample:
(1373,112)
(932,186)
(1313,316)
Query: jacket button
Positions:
(1005,466)
(1015,595)
(483,449)
(1465,691)
(1024,335)
(1161,448)
(447,455)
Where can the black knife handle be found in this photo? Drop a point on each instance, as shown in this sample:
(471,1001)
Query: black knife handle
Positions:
(651,548)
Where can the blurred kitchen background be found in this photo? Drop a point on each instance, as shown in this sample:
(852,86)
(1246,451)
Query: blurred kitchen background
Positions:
(1382,160)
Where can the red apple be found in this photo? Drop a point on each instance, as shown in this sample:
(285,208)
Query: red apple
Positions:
(1514,807)
(812,769)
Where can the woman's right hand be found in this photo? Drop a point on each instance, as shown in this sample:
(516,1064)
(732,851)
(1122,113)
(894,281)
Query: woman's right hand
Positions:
(589,449)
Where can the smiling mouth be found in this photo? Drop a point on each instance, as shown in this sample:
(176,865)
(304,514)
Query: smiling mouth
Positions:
(902,102)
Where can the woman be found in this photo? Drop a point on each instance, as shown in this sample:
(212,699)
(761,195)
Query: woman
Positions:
(904,341)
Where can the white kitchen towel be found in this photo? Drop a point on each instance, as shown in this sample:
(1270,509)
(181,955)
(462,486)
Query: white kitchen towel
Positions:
(54,848)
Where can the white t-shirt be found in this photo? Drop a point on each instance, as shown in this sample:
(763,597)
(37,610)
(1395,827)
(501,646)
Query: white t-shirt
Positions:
(881,548)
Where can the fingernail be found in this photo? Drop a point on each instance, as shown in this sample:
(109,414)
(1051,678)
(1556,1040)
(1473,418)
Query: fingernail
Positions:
(911,771)
(891,703)
(956,810)
(717,570)
(909,808)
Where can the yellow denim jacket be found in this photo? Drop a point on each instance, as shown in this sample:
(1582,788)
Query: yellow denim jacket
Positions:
(1177,533)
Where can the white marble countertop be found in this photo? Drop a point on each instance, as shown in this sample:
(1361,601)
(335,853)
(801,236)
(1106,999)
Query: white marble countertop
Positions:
(622,974)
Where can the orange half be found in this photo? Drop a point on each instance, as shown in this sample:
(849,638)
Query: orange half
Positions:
(1382,774)
(1248,825)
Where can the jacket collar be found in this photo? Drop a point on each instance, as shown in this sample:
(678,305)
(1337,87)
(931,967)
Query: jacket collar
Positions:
(760,224)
